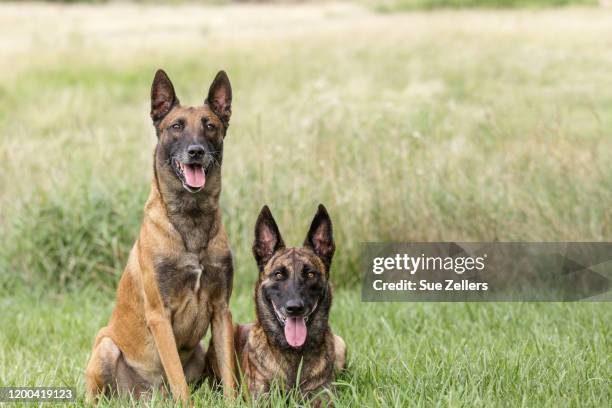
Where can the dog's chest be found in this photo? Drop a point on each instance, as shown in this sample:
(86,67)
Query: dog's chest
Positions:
(182,284)
(313,369)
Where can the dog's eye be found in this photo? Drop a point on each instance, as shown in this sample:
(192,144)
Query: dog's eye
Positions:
(308,273)
(210,126)
(177,126)
(279,276)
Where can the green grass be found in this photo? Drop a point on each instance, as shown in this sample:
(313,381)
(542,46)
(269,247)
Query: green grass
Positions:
(435,126)
(511,355)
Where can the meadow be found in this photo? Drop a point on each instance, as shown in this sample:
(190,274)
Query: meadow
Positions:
(452,125)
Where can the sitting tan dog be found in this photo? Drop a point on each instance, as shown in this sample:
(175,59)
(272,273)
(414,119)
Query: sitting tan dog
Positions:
(178,278)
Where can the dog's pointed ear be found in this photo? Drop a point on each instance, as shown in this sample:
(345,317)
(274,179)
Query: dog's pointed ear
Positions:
(320,236)
(268,239)
(163,98)
(220,97)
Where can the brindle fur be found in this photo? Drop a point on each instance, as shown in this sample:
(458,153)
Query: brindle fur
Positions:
(178,278)
(263,354)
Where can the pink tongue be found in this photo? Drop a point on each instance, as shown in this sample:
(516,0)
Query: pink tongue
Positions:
(194,175)
(295,331)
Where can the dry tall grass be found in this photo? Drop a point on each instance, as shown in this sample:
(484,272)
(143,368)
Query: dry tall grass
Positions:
(454,125)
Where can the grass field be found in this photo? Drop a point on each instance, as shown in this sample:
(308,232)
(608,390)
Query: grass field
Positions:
(447,125)
(510,355)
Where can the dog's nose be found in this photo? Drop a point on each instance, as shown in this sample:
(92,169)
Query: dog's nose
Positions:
(295,307)
(195,151)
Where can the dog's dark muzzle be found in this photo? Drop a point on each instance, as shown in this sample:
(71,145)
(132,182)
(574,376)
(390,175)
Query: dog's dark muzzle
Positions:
(293,317)
(191,166)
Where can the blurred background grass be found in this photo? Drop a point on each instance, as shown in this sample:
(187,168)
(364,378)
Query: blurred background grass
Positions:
(399,5)
(472,125)
(382,5)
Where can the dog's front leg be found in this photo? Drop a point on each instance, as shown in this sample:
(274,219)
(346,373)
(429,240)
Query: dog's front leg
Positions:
(223,343)
(161,329)
(158,322)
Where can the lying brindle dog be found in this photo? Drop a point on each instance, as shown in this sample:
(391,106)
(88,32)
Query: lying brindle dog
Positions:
(291,338)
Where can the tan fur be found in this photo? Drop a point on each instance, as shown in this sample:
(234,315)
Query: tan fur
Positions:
(178,278)
(147,333)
